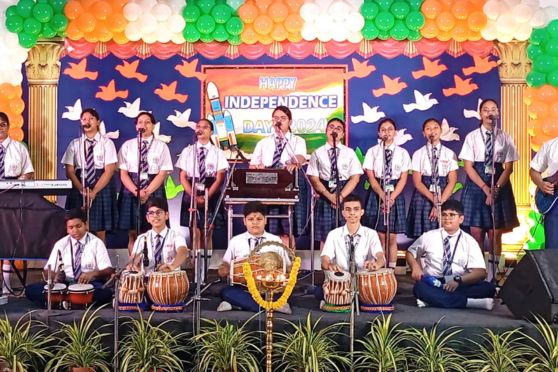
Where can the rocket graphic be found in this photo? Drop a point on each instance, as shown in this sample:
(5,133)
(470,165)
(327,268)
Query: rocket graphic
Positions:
(222,119)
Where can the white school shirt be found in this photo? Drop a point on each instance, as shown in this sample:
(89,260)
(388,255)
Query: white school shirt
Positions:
(239,247)
(430,248)
(215,160)
(474,147)
(374,160)
(336,248)
(546,160)
(347,163)
(104,152)
(158,156)
(172,241)
(94,255)
(265,149)
(16,158)
(421,162)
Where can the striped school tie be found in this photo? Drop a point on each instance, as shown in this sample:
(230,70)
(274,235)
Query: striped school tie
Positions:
(158,249)
(90,163)
(201,164)
(333,164)
(254,242)
(144,168)
(2,157)
(435,174)
(447,256)
(77,261)
(387,166)
(489,149)
(279,145)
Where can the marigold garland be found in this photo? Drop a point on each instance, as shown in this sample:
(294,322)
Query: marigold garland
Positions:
(253,289)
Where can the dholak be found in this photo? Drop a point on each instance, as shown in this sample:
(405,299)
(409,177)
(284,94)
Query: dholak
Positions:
(168,291)
(237,273)
(376,290)
(131,290)
(57,294)
(337,292)
(80,295)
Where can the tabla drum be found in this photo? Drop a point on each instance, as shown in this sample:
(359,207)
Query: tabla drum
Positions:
(376,290)
(337,292)
(168,291)
(131,291)
(80,296)
(57,294)
(237,273)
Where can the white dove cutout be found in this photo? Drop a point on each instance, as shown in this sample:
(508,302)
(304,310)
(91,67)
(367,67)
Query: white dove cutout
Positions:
(112,135)
(160,137)
(74,112)
(401,137)
(473,114)
(448,133)
(131,110)
(422,102)
(369,114)
(182,119)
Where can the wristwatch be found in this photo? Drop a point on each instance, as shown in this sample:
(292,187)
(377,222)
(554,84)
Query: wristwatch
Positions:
(458,279)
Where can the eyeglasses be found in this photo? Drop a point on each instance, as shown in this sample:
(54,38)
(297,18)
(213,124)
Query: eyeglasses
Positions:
(158,212)
(3,125)
(449,216)
(279,118)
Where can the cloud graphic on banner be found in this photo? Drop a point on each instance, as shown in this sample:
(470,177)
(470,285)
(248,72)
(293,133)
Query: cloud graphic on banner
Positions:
(160,137)
(370,114)
(448,133)
(112,135)
(130,70)
(188,70)
(481,66)
(109,92)
(167,92)
(131,110)
(360,70)
(182,119)
(462,87)
(401,137)
(473,114)
(391,87)
(74,112)
(422,102)
(431,69)
(79,71)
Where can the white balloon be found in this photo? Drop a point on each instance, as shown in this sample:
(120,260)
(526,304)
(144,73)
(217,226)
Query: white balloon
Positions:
(15,77)
(325,35)
(162,12)
(355,22)
(309,12)
(339,32)
(551,13)
(178,38)
(309,32)
(323,4)
(149,38)
(354,37)
(132,31)
(489,32)
(547,3)
(492,9)
(146,5)
(505,37)
(511,3)
(539,19)
(339,10)
(522,13)
(505,25)
(163,34)
(147,24)
(323,23)
(176,23)
(523,32)
(132,11)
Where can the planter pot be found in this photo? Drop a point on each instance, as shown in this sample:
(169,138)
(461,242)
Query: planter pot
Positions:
(82,369)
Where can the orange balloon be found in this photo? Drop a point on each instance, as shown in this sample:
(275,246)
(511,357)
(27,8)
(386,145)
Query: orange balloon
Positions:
(248,12)
(103,33)
(477,21)
(17,105)
(87,4)
(263,5)
(474,36)
(16,134)
(73,9)
(546,93)
(294,37)
(293,23)
(445,21)
(263,24)
(294,5)
(550,127)
(101,10)
(265,39)
(460,32)
(73,32)
(7,91)
(248,35)
(553,110)
(119,38)
(460,9)
(531,127)
(86,22)
(429,30)
(16,121)
(118,4)
(279,33)
(18,90)
(91,37)
(116,22)
(431,8)
(444,35)
(278,12)
(446,4)
(538,110)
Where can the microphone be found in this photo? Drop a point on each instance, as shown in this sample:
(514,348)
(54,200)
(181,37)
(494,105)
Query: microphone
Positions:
(334,134)
(493,117)
(431,138)
(199,133)
(145,255)
(277,124)
(141,130)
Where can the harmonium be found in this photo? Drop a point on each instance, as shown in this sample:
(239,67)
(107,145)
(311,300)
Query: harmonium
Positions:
(263,184)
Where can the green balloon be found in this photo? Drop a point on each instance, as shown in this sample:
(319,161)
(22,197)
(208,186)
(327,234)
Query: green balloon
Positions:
(544,64)
(552,28)
(26,40)
(206,38)
(415,4)
(191,13)
(539,36)
(221,13)
(400,9)
(59,23)
(234,26)
(552,78)
(536,79)
(414,35)
(42,12)
(384,4)
(48,32)
(206,6)
(31,26)
(14,23)
(399,31)
(235,40)
(205,24)
(534,52)
(370,31)
(384,21)
(25,7)
(220,33)
(369,11)
(11,11)
(57,5)
(551,47)
(191,33)
(415,20)
(383,35)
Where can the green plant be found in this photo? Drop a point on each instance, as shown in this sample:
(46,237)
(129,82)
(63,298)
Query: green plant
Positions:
(307,348)
(545,358)
(147,347)
(226,348)
(24,345)
(81,345)
(382,350)
(503,352)
(432,350)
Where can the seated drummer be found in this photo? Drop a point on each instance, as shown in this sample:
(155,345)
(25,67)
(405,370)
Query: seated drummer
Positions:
(79,257)
(368,252)
(166,248)
(448,265)
(240,246)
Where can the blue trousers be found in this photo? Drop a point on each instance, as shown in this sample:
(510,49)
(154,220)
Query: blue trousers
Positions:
(239,297)
(437,297)
(34,292)
(550,229)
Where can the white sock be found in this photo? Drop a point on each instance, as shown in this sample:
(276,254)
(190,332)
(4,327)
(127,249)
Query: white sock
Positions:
(492,267)
(480,303)
(421,303)
(392,265)
(6,271)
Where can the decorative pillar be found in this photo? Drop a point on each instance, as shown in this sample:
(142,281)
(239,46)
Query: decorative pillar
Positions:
(43,72)
(513,68)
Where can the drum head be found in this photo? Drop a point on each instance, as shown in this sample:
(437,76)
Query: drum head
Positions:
(338,275)
(56,287)
(77,288)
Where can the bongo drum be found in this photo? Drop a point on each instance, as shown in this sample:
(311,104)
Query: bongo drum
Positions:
(376,290)
(80,296)
(337,292)
(168,291)
(57,294)
(131,290)
(237,273)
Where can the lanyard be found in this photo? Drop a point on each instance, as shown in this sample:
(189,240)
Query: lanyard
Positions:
(429,155)
(72,248)
(454,247)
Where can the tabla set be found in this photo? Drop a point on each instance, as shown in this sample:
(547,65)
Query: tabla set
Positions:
(376,290)
(72,297)
(166,291)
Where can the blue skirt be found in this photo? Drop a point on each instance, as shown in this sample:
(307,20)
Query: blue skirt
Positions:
(478,214)
(300,212)
(212,204)
(324,216)
(419,210)
(374,219)
(103,215)
(128,204)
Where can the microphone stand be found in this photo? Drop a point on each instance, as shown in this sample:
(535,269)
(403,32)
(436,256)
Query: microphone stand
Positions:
(355,306)
(437,195)
(138,184)
(82,154)
(387,208)
(493,196)
(337,186)
(117,273)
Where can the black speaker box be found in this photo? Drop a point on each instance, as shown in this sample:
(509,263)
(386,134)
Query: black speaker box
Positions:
(532,287)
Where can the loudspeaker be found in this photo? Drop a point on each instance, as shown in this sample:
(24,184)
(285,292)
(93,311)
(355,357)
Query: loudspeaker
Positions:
(532,287)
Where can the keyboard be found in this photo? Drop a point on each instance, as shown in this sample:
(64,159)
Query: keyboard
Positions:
(43,187)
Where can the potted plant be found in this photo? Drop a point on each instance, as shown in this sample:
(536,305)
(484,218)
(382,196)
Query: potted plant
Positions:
(224,347)
(24,346)
(81,346)
(310,349)
(149,348)
(544,356)
(381,348)
(499,352)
